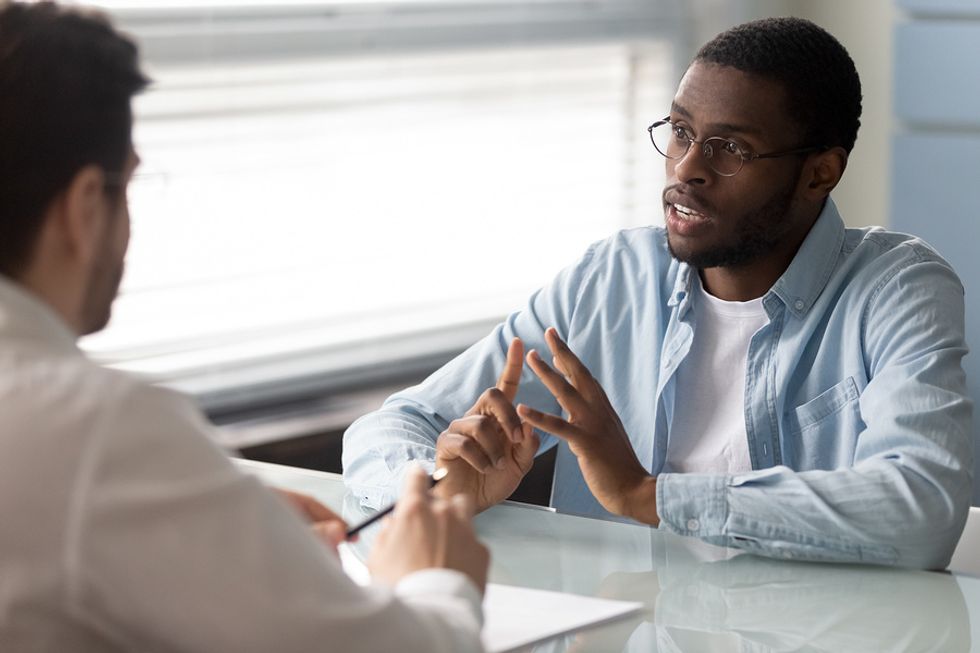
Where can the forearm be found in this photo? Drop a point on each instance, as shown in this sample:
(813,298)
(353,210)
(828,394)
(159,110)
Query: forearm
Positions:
(877,512)
(377,449)
(378,446)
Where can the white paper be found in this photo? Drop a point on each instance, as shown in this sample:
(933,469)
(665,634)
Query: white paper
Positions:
(515,617)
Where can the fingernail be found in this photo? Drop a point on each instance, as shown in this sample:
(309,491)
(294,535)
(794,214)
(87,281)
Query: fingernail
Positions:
(501,462)
(534,354)
(518,434)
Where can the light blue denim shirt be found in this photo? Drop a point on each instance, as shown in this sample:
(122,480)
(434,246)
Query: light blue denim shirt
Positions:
(856,409)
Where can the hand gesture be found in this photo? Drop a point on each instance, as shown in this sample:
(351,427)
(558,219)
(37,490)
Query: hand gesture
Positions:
(489,450)
(594,434)
(426,532)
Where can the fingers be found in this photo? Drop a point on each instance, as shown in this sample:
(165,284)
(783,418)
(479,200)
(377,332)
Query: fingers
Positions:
(565,361)
(307,506)
(550,423)
(429,534)
(493,423)
(331,533)
(495,402)
(451,445)
(318,512)
(525,450)
(510,378)
(564,392)
(416,482)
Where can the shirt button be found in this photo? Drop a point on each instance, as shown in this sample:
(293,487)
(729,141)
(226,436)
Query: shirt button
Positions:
(693,524)
(799,304)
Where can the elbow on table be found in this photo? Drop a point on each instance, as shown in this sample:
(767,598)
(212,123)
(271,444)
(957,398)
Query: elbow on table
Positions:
(933,537)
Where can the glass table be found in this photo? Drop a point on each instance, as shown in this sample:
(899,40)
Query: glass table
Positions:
(698,597)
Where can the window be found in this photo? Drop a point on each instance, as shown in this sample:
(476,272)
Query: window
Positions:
(331,189)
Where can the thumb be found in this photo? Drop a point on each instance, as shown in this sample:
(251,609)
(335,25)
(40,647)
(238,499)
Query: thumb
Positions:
(330,533)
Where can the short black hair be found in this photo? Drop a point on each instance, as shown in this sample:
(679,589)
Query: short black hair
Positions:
(822,86)
(66,83)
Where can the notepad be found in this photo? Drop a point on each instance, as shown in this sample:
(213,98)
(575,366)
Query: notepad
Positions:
(516,617)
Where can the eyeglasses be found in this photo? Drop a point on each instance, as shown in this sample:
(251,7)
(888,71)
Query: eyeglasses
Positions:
(724,156)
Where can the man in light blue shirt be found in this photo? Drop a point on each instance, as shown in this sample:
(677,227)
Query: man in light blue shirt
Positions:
(850,439)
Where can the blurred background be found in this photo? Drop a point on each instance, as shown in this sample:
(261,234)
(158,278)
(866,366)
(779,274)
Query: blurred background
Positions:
(337,197)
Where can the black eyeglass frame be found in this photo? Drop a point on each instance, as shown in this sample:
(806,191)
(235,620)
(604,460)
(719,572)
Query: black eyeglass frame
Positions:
(708,153)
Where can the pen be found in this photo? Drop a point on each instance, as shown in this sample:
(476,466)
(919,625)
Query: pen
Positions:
(436,476)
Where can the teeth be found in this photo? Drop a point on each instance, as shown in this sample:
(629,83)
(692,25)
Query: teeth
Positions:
(689,212)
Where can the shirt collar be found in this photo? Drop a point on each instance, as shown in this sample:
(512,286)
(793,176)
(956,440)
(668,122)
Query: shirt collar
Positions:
(25,317)
(807,274)
(682,284)
(810,270)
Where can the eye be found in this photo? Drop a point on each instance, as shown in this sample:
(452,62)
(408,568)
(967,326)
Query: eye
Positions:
(680,133)
(731,147)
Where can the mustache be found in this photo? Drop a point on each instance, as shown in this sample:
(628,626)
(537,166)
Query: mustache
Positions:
(681,194)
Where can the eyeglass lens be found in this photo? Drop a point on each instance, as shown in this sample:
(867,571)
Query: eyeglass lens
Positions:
(722,155)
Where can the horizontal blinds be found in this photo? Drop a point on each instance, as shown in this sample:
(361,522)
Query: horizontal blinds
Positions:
(302,217)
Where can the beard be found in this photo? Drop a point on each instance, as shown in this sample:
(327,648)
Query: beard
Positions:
(758,233)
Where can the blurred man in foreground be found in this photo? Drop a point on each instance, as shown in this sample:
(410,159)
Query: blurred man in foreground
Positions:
(122,527)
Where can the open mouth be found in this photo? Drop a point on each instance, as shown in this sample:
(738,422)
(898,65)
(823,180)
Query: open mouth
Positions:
(687,214)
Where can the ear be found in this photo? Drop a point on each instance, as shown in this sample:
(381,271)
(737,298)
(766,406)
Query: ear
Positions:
(82,219)
(823,172)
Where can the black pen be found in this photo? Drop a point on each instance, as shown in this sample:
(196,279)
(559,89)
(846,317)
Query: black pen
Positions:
(436,476)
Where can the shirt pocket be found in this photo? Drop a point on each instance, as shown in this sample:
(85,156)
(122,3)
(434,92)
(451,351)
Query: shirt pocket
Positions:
(822,433)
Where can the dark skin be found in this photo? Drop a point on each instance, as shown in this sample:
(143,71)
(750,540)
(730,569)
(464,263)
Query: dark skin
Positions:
(489,450)
(715,100)
(776,200)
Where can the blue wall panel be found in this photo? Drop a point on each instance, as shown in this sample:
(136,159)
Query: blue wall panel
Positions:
(936,191)
(937,67)
(933,7)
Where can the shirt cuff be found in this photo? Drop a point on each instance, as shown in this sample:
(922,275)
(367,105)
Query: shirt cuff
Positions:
(693,504)
(442,582)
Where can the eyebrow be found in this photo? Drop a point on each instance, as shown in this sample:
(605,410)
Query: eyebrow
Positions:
(722,127)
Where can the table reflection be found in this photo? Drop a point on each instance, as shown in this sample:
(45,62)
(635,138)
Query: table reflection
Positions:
(699,598)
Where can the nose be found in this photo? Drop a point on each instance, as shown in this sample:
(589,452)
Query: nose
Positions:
(692,168)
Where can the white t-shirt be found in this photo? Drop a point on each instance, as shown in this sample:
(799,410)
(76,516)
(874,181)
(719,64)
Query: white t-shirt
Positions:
(707,434)
(122,528)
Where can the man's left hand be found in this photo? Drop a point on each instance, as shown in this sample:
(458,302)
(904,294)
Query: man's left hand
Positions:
(327,525)
(594,434)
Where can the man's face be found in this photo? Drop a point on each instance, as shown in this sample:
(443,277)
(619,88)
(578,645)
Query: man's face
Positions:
(741,219)
(107,267)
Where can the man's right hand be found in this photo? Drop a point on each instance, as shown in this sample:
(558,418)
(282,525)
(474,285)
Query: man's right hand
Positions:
(489,450)
(426,532)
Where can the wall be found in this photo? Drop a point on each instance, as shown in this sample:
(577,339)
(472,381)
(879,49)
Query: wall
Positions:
(865,29)
(936,144)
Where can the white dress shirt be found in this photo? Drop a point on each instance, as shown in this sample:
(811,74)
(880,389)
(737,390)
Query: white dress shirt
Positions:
(123,528)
